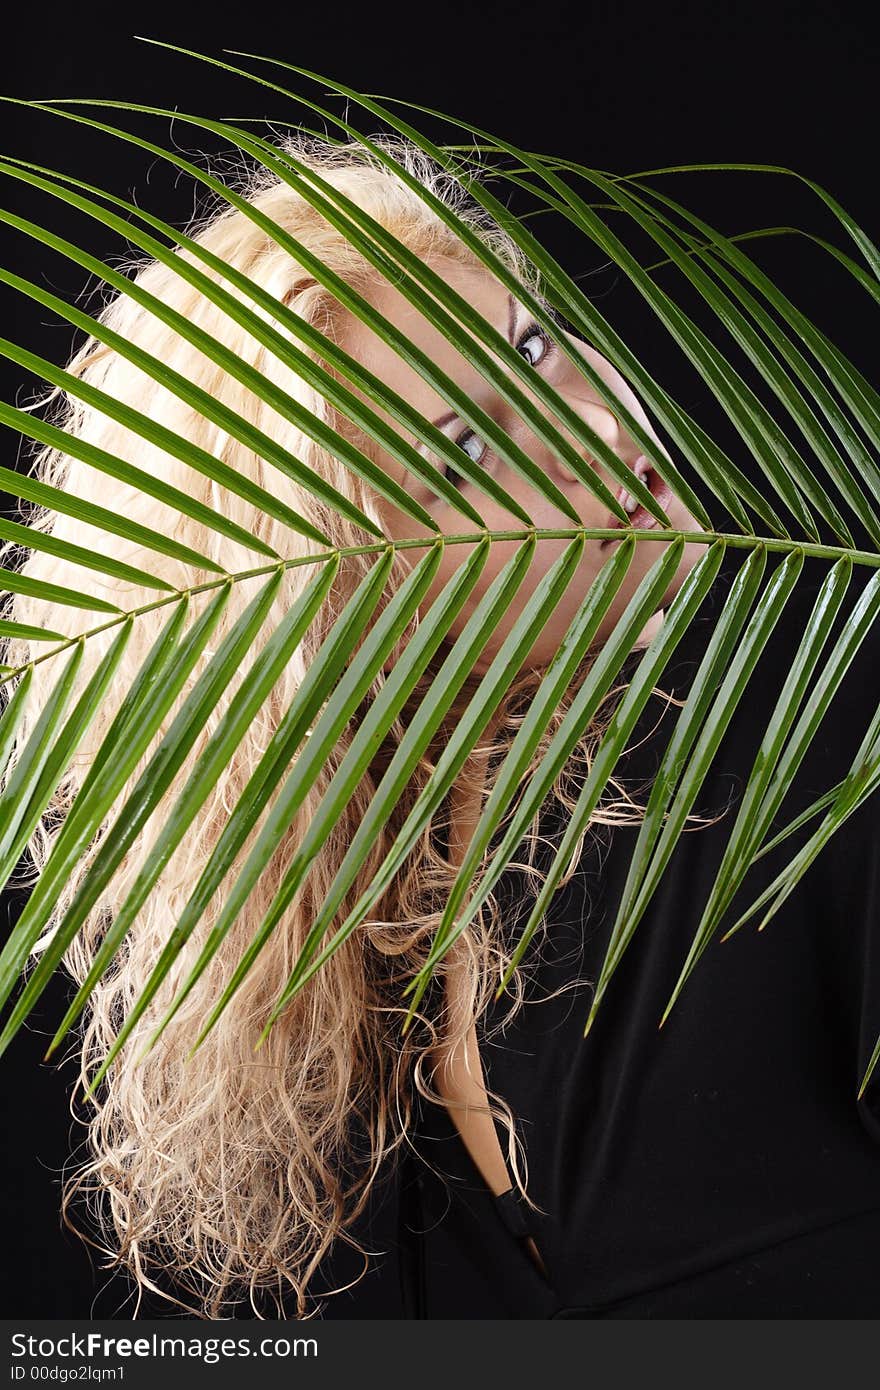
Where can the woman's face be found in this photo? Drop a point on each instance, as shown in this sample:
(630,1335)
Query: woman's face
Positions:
(490,298)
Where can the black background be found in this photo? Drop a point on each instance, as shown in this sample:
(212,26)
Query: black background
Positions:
(616,87)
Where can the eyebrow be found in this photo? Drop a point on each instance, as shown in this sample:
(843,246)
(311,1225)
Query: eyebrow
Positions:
(453,414)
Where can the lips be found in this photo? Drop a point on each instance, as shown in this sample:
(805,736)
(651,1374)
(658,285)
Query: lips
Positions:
(641,519)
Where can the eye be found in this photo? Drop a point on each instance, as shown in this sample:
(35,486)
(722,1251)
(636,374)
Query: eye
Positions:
(464,441)
(468,439)
(534,345)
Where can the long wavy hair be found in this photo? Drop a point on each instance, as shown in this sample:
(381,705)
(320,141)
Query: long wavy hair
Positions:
(234,1173)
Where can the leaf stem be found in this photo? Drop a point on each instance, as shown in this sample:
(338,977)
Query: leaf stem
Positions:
(733,539)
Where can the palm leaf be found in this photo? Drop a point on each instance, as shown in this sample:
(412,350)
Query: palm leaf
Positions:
(150,789)
(828,473)
(860,397)
(777,379)
(859,236)
(643,603)
(417,273)
(456,667)
(753,422)
(159,681)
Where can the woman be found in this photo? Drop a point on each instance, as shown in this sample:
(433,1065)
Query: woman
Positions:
(236,1175)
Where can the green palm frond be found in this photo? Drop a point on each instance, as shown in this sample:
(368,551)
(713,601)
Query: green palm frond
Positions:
(817,454)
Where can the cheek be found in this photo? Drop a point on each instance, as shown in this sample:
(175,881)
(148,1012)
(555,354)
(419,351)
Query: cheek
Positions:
(398,525)
(454,557)
(615,382)
(500,555)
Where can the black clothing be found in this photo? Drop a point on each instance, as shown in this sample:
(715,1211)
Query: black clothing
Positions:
(721,1166)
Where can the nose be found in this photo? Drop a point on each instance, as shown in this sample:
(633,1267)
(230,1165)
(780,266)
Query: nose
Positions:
(603,422)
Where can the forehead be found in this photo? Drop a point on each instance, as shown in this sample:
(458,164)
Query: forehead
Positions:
(482,291)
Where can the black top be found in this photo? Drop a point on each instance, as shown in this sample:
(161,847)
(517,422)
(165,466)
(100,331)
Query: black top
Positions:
(722,1166)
